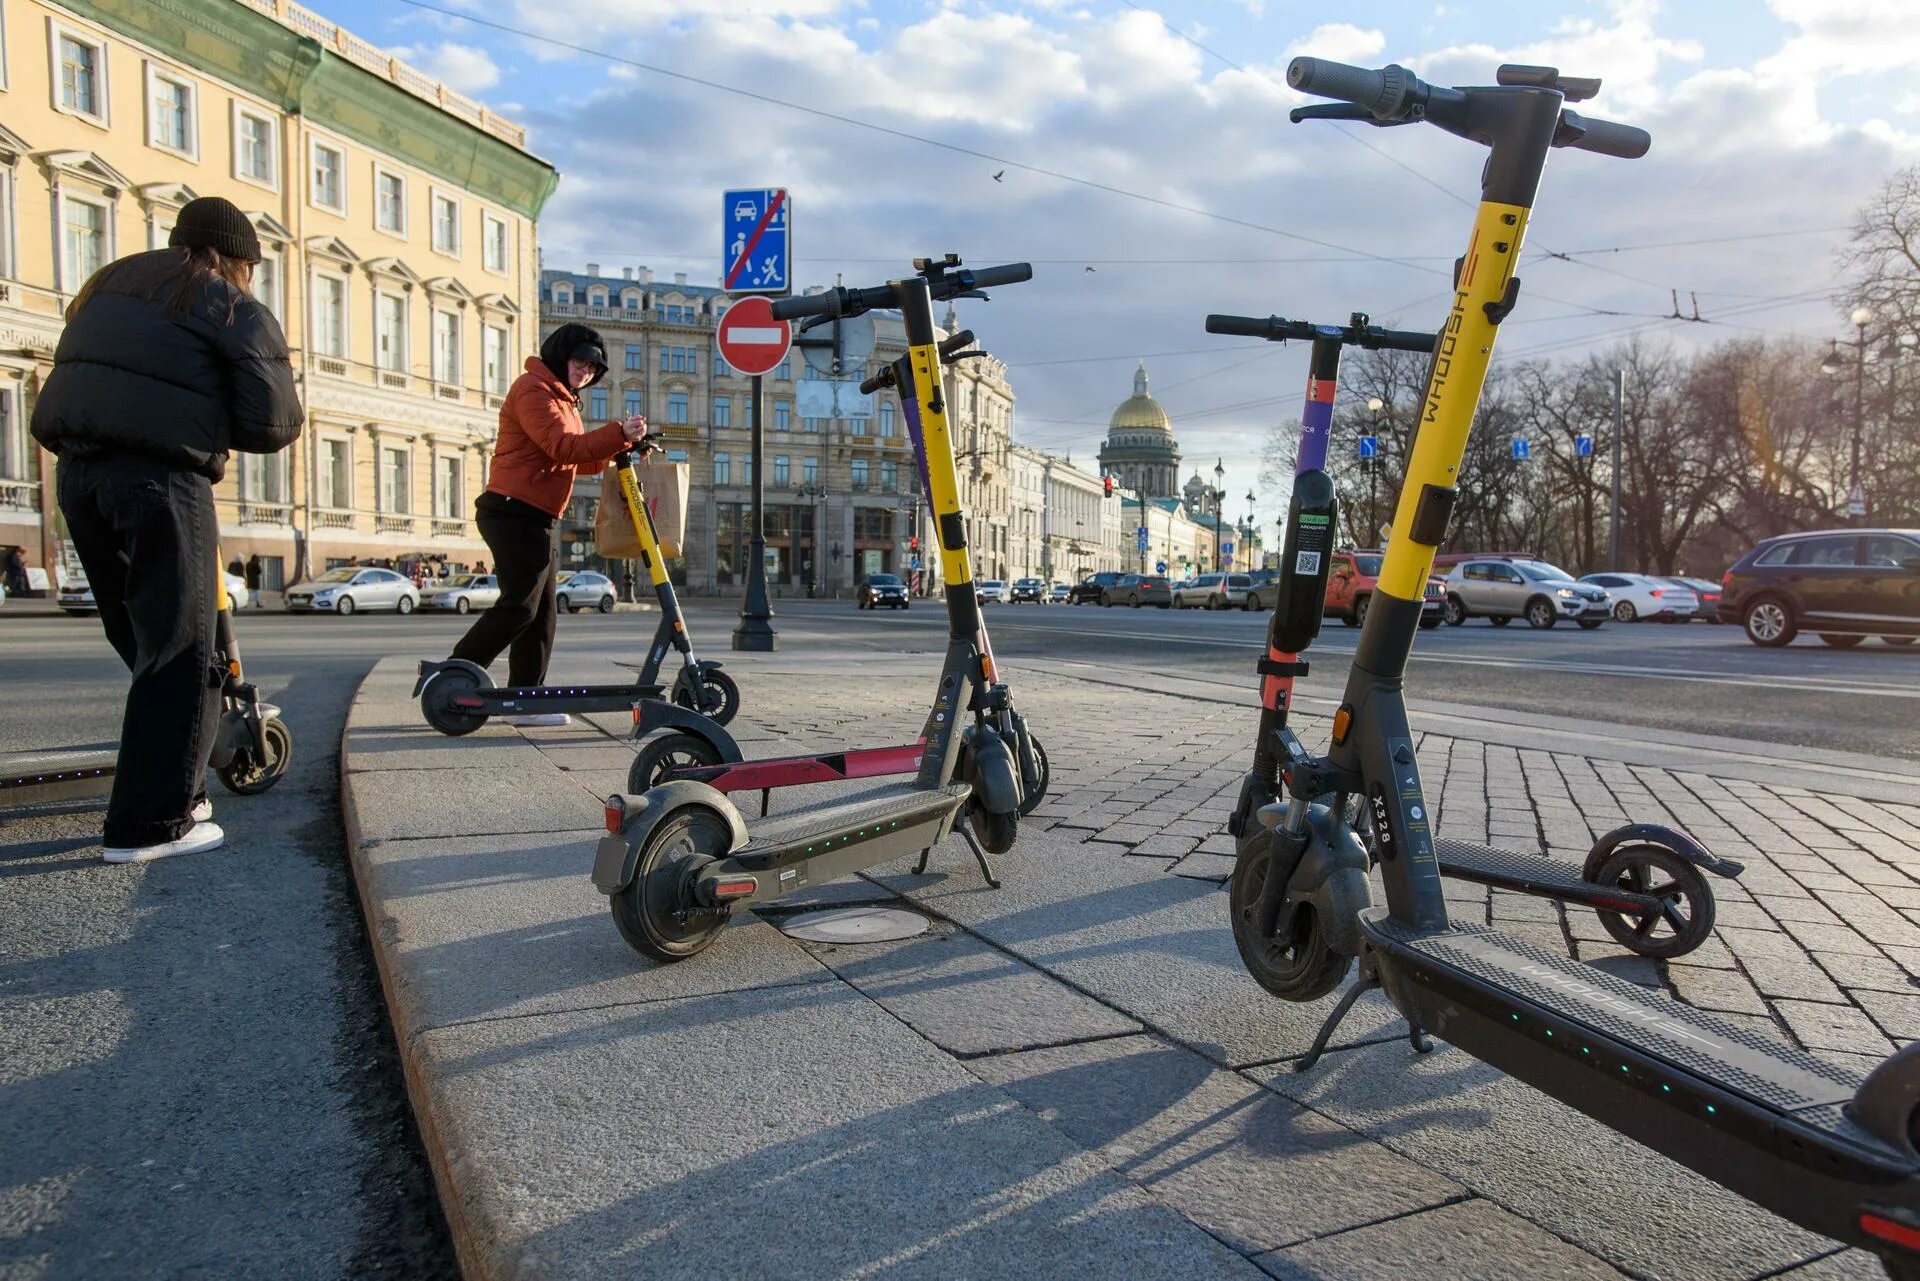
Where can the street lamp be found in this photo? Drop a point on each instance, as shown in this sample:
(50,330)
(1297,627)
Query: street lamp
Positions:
(1833,366)
(809,492)
(1374,406)
(1219,505)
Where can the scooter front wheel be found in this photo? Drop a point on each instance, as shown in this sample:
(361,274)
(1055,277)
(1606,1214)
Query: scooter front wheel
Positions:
(1686,901)
(995,832)
(712,693)
(1039,792)
(657,913)
(1299,965)
(246,774)
(436,702)
(667,752)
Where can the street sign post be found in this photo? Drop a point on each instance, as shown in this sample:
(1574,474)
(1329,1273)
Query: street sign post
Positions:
(1583,446)
(1857,501)
(756,241)
(1159,567)
(754,343)
(1522,449)
(1369,447)
(1140,537)
(750,339)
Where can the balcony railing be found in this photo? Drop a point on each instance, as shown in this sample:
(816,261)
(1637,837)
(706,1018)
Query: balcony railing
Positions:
(449,528)
(391,524)
(256,513)
(333,518)
(19,495)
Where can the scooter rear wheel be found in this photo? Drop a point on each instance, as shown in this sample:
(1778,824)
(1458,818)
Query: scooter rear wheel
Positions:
(436,702)
(1687,919)
(656,913)
(1298,967)
(667,752)
(246,775)
(715,696)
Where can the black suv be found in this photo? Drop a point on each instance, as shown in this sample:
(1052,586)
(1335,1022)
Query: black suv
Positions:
(1089,589)
(1842,585)
(883,589)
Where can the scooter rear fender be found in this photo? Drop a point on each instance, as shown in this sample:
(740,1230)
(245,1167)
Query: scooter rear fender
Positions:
(650,714)
(616,857)
(1665,837)
(429,669)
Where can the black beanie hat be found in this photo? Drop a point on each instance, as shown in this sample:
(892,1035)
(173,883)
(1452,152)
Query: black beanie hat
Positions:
(211,222)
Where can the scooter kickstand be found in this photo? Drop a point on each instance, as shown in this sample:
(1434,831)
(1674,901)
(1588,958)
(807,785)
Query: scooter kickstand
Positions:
(1417,1035)
(1360,988)
(766,797)
(920,868)
(980,856)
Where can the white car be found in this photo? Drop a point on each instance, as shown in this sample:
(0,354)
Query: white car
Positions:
(349,590)
(462,593)
(237,592)
(1637,596)
(990,590)
(76,597)
(583,589)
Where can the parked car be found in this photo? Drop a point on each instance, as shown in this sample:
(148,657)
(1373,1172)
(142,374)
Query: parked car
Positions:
(1033,589)
(990,591)
(1059,594)
(883,589)
(1503,590)
(1708,592)
(584,589)
(76,597)
(348,590)
(1351,578)
(1139,589)
(1843,586)
(1090,590)
(1637,596)
(461,593)
(1213,591)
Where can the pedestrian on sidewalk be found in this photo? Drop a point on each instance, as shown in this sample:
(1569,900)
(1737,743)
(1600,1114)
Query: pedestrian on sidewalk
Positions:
(167,364)
(16,571)
(542,444)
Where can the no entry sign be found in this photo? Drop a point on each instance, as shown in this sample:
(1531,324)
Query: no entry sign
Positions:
(750,339)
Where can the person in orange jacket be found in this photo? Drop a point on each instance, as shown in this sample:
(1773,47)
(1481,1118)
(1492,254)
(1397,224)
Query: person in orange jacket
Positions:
(542,445)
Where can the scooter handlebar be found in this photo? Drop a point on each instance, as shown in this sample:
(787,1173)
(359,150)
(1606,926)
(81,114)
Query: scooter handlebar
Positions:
(1384,93)
(1607,137)
(1013,273)
(1242,326)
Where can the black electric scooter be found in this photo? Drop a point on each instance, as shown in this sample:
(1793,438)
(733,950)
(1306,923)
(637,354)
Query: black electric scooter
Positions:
(1644,880)
(457,696)
(1813,1142)
(252,747)
(681,858)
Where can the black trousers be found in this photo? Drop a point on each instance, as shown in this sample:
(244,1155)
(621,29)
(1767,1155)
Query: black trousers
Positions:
(526,559)
(149,540)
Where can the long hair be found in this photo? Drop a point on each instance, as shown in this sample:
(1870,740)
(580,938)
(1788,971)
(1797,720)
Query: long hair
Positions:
(184,274)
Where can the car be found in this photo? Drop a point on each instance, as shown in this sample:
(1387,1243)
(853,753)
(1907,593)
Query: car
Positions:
(1709,593)
(1139,589)
(990,591)
(351,590)
(461,593)
(1638,596)
(583,589)
(1033,589)
(1351,577)
(76,597)
(1214,591)
(1060,594)
(883,589)
(1090,589)
(1503,590)
(1842,585)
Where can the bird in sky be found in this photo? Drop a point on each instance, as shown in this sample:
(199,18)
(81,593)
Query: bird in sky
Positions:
(997,177)
(1089,269)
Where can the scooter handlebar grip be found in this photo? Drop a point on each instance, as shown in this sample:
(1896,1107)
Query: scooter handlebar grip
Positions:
(828,302)
(1013,273)
(1405,340)
(1242,326)
(1608,137)
(1325,79)
(882,379)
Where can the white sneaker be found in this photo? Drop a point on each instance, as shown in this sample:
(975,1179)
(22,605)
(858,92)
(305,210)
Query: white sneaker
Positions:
(202,810)
(540,720)
(199,838)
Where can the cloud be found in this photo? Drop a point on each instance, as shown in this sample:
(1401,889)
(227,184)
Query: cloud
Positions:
(1338,42)
(463,67)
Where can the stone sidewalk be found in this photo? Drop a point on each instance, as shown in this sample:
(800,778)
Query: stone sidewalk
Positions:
(1073,1072)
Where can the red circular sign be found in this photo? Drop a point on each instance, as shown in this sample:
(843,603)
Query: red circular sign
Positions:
(750,339)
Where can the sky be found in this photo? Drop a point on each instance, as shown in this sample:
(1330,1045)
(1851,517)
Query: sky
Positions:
(1150,144)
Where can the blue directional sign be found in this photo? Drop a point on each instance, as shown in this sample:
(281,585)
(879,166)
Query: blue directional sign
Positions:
(1583,446)
(756,241)
(1369,447)
(1522,449)
(1140,537)
(1159,567)
(1226,548)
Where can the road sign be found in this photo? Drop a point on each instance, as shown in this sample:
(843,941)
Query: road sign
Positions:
(853,338)
(1522,449)
(1140,537)
(750,339)
(1857,501)
(1369,447)
(831,398)
(1583,446)
(1159,567)
(1226,548)
(756,241)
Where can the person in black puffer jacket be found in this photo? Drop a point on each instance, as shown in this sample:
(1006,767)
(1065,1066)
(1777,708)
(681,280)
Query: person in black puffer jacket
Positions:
(167,364)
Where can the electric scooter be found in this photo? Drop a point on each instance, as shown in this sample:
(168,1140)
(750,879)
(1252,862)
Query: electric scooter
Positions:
(457,696)
(690,754)
(252,747)
(1644,880)
(1813,1142)
(680,859)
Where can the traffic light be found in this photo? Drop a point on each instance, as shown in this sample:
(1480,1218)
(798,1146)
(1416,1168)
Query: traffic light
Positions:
(1109,483)
(914,544)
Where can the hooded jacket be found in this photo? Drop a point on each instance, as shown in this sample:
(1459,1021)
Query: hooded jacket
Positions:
(542,441)
(186,389)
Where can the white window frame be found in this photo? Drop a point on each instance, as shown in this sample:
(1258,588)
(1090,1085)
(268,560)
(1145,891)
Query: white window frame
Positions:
(382,171)
(346,315)
(406,319)
(275,299)
(13,432)
(488,221)
(449,377)
(323,477)
(157,75)
(496,385)
(247,111)
(315,145)
(446,498)
(434,196)
(403,493)
(69,285)
(555,289)
(58,31)
(7,222)
(4,84)
(255,468)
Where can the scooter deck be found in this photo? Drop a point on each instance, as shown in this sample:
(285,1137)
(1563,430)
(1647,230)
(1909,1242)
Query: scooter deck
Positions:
(1534,874)
(895,817)
(513,700)
(1752,1113)
(70,773)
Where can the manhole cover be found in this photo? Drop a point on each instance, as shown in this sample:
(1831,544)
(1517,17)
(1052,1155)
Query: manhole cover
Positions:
(855,925)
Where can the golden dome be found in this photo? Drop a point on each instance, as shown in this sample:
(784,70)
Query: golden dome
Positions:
(1140,409)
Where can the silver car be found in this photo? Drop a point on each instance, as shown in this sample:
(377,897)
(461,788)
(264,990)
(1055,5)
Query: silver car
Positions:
(348,590)
(1214,591)
(462,593)
(1503,590)
(583,589)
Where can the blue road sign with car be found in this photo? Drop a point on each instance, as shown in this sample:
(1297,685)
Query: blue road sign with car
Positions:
(756,241)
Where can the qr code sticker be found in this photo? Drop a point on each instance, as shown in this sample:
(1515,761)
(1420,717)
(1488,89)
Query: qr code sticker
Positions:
(1308,563)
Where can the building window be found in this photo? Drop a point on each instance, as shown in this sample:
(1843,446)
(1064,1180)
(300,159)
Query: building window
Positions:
(172,118)
(722,466)
(494,354)
(493,243)
(14,454)
(390,338)
(886,419)
(859,473)
(395,491)
(563,294)
(446,225)
(597,404)
(722,411)
(783,415)
(6,219)
(254,158)
(446,347)
(676,407)
(636,402)
(263,478)
(810,471)
(858,426)
(329,315)
(630,299)
(390,202)
(329,178)
(889,475)
(267,286)
(80,74)
(446,490)
(811,424)
(780,470)
(721,369)
(84,239)
(336,474)
(785,372)
(636,358)
(596,296)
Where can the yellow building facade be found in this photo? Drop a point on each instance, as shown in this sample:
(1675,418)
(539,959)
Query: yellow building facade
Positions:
(396,219)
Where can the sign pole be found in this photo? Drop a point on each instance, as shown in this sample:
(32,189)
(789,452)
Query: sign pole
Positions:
(756,630)
(1619,427)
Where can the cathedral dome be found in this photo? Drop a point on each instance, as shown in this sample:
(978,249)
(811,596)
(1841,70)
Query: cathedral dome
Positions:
(1140,451)
(1140,410)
